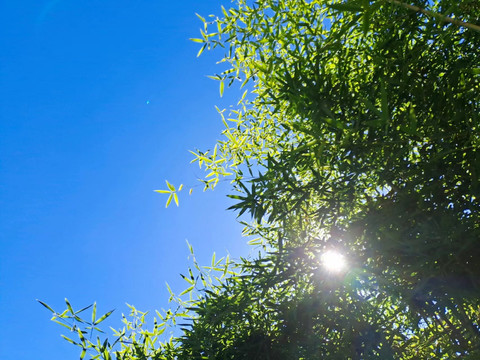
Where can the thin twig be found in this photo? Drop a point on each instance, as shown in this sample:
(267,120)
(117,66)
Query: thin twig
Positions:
(436,15)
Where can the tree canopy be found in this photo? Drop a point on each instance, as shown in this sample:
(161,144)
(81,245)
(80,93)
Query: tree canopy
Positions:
(359,133)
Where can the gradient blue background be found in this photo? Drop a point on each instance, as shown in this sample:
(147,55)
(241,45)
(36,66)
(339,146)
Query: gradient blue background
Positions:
(100,102)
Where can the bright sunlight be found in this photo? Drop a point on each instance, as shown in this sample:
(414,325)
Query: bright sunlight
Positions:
(333,261)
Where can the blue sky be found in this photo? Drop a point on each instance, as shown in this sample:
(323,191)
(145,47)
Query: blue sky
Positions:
(100,102)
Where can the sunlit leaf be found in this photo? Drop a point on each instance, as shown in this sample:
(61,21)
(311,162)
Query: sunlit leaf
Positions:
(169,200)
(103,317)
(48,307)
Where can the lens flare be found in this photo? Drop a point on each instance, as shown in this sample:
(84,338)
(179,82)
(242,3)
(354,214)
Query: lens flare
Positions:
(333,261)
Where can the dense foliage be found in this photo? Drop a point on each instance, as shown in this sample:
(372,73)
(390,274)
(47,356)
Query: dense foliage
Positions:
(361,133)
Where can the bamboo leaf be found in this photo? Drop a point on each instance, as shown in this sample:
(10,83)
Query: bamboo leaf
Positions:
(69,307)
(103,317)
(222,86)
(201,50)
(169,200)
(70,340)
(170,186)
(94,312)
(48,307)
(85,308)
(189,289)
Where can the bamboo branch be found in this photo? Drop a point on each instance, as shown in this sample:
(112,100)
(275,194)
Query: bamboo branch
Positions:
(436,15)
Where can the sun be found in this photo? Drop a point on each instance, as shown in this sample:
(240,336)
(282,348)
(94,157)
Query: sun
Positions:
(333,261)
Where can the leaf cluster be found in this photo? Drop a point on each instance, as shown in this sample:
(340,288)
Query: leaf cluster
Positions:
(360,132)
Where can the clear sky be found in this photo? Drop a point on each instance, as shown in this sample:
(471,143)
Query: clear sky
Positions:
(100,102)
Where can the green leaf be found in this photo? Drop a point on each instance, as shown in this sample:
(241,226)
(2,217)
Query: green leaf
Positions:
(63,314)
(70,340)
(190,248)
(175,197)
(222,86)
(48,307)
(190,281)
(69,306)
(170,186)
(163,191)
(169,200)
(83,353)
(200,17)
(371,107)
(201,50)
(213,260)
(61,323)
(80,335)
(94,312)
(189,289)
(103,317)
(170,291)
(85,308)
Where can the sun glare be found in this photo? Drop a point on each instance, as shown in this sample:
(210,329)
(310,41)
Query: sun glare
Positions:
(333,261)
